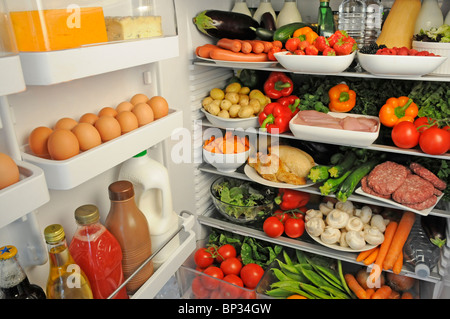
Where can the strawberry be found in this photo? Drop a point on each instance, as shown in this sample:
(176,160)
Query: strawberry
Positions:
(332,39)
(321,43)
(402,51)
(311,50)
(299,52)
(292,44)
(344,47)
(303,45)
(329,52)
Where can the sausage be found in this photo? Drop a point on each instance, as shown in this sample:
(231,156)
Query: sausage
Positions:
(229,44)
(204,50)
(227,55)
(257,46)
(246,47)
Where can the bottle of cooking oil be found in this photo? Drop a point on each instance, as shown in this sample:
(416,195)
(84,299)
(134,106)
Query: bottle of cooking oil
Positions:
(66,279)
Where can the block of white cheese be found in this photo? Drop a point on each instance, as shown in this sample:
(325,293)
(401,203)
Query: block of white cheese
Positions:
(125,28)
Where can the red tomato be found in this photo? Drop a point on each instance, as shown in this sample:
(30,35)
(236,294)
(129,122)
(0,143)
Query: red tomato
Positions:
(198,289)
(224,252)
(405,135)
(251,275)
(230,289)
(294,227)
(203,258)
(273,227)
(231,266)
(212,283)
(215,294)
(422,122)
(281,215)
(434,141)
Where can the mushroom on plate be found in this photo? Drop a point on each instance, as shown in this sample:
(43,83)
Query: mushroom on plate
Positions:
(355,239)
(337,218)
(315,226)
(330,235)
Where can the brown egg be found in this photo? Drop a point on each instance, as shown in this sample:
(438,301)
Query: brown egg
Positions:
(108,127)
(9,171)
(144,113)
(88,118)
(139,98)
(37,141)
(87,135)
(124,106)
(65,123)
(128,121)
(107,111)
(63,144)
(159,106)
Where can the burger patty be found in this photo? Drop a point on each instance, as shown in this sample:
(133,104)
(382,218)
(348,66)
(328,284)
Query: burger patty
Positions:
(428,175)
(429,202)
(369,190)
(413,190)
(386,177)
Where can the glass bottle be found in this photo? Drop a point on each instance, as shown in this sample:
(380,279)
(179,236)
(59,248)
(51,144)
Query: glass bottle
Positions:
(14,283)
(430,16)
(325,19)
(98,253)
(374,18)
(264,6)
(130,227)
(352,17)
(66,279)
(240,6)
(288,14)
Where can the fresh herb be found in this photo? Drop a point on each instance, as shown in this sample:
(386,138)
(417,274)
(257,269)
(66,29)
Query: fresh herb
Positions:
(432,98)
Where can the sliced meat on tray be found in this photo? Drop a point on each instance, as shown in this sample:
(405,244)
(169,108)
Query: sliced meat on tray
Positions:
(413,190)
(428,175)
(386,177)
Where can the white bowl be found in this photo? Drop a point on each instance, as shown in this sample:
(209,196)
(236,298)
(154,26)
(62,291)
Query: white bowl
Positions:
(399,65)
(442,49)
(333,135)
(226,162)
(234,123)
(315,64)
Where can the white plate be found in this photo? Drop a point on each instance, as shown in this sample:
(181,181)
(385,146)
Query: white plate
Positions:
(399,65)
(254,176)
(338,247)
(237,64)
(331,135)
(233,122)
(423,212)
(315,64)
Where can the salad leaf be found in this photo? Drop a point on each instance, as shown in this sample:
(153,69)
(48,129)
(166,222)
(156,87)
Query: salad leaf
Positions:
(440,34)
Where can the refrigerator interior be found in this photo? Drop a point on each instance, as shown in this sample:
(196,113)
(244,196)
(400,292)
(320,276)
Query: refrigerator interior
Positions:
(177,79)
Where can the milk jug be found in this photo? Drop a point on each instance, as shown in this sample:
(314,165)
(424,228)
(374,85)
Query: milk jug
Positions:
(153,197)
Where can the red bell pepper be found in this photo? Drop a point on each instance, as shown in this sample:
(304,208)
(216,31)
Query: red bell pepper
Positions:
(292,102)
(275,118)
(289,199)
(277,85)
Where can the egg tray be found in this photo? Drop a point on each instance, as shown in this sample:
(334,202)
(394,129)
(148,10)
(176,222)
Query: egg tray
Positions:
(69,173)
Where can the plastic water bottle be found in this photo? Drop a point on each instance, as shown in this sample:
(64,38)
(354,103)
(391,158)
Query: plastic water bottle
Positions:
(374,17)
(420,252)
(352,16)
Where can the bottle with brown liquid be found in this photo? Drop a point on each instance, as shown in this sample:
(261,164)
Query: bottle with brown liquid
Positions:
(129,226)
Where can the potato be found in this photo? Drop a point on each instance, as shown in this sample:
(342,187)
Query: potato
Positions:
(245,111)
(206,101)
(233,87)
(225,104)
(224,114)
(233,97)
(213,107)
(217,94)
(255,105)
(243,99)
(234,110)
(257,94)
(244,90)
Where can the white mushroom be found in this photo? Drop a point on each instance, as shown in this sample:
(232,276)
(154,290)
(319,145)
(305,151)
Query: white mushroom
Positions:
(315,226)
(311,213)
(355,239)
(354,223)
(337,218)
(325,208)
(373,236)
(379,222)
(342,240)
(346,206)
(365,214)
(330,235)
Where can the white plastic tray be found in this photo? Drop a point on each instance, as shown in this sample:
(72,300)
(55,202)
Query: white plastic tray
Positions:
(67,174)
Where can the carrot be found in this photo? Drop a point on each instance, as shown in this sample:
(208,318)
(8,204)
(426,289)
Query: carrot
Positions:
(397,268)
(382,293)
(257,46)
(246,46)
(229,44)
(204,50)
(353,284)
(227,55)
(394,294)
(384,247)
(407,295)
(372,257)
(370,292)
(364,254)
(401,234)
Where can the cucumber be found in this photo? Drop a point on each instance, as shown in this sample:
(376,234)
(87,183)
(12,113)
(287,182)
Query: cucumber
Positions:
(285,32)
(263,34)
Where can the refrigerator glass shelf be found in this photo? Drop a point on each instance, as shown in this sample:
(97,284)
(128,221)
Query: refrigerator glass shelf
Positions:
(28,194)
(67,174)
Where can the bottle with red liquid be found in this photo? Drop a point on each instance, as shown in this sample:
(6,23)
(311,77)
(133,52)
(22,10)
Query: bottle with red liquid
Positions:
(98,253)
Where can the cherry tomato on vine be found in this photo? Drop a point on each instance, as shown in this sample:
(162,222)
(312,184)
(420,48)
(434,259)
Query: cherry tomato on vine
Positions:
(294,227)
(273,227)
(212,283)
(203,258)
(231,291)
(281,215)
(405,135)
(251,274)
(435,141)
(198,289)
(422,123)
(224,252)
(231,266)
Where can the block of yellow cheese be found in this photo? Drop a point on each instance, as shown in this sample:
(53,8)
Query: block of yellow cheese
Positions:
(125,28)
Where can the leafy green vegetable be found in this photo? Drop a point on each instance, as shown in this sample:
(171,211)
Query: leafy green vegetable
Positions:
(432,98)
(440,34)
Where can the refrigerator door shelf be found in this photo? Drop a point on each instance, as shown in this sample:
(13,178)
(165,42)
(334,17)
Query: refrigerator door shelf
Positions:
(11,77)
(47,68)
(28,194)
(67,174)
